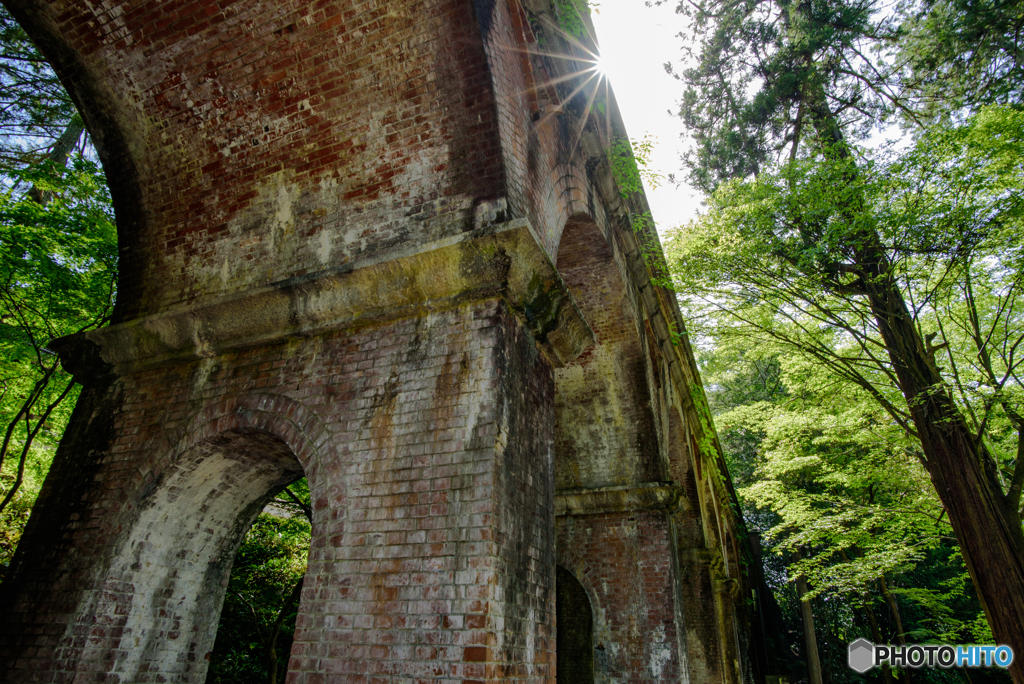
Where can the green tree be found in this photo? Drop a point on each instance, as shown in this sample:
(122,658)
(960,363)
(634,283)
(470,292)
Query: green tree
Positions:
(57,266)
(780,92)
(257,623)
(782,255)
(957,54)
(35,110)
(836,490)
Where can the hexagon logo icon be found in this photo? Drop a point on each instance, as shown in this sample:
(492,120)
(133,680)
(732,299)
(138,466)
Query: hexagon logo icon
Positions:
(861,656)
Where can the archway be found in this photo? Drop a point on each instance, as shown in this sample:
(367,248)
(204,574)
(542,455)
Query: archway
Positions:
(605,428)
(574,644)
(166,584)
(257,622)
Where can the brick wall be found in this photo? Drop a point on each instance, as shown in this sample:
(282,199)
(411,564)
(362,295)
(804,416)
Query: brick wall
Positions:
(249,142)
(605,433)
(626,563)
(427,444)
(289,143)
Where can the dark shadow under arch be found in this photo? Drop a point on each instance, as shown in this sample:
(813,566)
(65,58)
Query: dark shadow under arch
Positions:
(574,643)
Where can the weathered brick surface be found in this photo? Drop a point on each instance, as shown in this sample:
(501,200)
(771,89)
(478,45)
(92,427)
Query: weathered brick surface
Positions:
(625,562)
(237,135)
(605,433)
(430,468)
(288,162)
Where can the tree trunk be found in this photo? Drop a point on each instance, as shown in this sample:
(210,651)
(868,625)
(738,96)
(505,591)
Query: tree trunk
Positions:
(963,471)
(876,634)
(810,640)
(965,475)
(272,658)
(901,636)
(59,154)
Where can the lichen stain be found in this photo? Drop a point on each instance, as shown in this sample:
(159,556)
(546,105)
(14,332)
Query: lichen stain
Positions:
(594,427)
(323,252)
(660,653)
(382,422)
(283,219)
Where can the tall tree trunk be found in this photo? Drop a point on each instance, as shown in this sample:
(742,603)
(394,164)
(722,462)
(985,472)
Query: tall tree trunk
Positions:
(965,475)
(901,636)
(59,154)
(876,634)
(810,640)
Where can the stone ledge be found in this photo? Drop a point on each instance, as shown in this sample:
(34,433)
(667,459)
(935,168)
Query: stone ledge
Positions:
(651,496)
(503,260)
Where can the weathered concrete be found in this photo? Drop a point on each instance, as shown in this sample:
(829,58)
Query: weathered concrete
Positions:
(377,244)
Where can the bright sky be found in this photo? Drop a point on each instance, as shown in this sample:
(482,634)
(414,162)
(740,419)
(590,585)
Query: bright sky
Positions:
(636,41)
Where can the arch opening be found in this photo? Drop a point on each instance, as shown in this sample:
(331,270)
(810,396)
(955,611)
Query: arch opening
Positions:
(257,621)
(574,643)
(167,584)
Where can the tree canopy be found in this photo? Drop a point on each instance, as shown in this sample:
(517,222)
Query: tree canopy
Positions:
(895,269)
(58,266)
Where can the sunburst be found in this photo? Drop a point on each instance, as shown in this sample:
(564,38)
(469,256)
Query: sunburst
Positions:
(587,74)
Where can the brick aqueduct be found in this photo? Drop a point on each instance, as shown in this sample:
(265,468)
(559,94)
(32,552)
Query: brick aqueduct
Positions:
(377,244)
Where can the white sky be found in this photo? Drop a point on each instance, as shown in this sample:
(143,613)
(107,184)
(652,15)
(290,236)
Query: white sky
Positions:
(635,42)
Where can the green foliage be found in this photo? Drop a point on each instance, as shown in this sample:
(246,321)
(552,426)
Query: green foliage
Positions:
(58,260)
(806,400)
(706,442)
(261,596)
(570,14)
(841,478)
(958,54)
(34,107)
(767,78)
(630,162)
(822,469)
(770,252)
(58,267)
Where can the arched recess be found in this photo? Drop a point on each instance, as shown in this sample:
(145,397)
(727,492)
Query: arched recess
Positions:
(605,431)
(682,470)
(575,624)
(712,517)
(568,194)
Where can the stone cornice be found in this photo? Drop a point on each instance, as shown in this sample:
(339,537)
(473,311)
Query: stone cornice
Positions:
(499,260)
(651,496)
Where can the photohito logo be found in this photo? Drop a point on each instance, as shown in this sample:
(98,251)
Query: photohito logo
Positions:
(864,655)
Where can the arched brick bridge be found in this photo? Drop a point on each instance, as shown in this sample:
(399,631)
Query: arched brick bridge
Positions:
(376,243)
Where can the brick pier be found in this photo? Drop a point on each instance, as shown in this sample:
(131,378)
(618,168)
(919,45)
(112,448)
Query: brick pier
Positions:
(379,245)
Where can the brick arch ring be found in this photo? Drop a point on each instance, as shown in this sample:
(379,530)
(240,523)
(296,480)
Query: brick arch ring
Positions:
(569,191)
(583,574)
(290,421)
